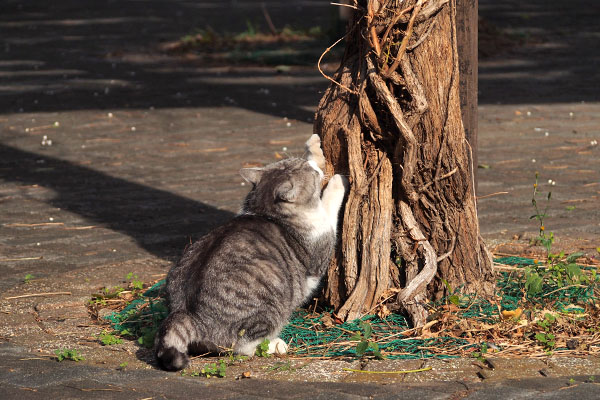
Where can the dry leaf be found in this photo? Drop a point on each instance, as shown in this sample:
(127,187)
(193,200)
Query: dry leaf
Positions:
(246,375)
(506,314)
(383,312)
(327,321)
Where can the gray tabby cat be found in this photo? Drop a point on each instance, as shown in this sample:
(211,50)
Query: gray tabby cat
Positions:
(239,284)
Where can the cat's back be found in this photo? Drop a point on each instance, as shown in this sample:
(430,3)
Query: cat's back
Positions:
(247,242)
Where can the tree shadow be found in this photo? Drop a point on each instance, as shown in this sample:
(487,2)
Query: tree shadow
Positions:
(105,55)
(159,221)
(553,52)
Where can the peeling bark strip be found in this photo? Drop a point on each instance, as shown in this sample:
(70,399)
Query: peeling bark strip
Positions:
(392,123)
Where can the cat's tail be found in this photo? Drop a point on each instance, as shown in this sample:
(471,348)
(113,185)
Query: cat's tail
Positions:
(173,339)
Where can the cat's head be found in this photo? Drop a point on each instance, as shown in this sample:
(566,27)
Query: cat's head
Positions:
(281,188)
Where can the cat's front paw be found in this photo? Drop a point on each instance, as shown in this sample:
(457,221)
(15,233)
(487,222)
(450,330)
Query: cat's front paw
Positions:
(277,346)
(313,147)
(339,184)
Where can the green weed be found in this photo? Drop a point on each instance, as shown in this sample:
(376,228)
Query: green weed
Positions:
(558,269)
(364,342)
(68,354)
(218,370)
(147,336)
(109,339)
(480,355)
(28,278)
(262,350)
(136,283)
(546,338)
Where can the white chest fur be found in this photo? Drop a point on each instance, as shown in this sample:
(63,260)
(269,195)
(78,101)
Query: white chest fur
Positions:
(320,222)
(311,284)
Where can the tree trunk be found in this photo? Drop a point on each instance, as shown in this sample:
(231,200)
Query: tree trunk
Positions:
(391,121)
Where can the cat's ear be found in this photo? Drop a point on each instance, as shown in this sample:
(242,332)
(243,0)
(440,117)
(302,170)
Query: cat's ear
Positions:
(286,192)
(252,175)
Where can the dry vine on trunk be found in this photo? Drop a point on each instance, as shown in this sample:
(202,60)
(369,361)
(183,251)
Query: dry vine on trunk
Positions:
(391,121)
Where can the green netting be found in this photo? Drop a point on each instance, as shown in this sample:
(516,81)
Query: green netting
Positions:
(142,317)
(309,336)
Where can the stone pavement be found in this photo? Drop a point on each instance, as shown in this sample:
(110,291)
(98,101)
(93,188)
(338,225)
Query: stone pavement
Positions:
(145,149)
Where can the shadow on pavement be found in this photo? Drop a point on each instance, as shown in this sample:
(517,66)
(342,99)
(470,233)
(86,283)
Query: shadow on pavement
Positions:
(100,54)
(555,57)
(159,221)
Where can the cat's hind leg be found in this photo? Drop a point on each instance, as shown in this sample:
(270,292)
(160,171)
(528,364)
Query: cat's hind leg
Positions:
(175,335)
(276,346)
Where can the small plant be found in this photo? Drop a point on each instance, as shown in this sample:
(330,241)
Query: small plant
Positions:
(262,350)
(109,339)
(546,338)
(122,366)
(233,358)
(559,269)
(364,342)
(28,278)
(214,370)
(480,355)
(136,283)
(68,354)
(147,336)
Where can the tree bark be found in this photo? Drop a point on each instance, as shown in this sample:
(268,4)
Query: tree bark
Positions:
(391,121)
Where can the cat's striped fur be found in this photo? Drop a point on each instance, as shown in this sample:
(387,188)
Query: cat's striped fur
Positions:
(240,283)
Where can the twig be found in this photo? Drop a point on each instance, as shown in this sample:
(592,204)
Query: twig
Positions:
(38,295)
(35,358)
(422,38)
(344,5)
(374,40)
(562,288)
(394,22)
(21,259)
(263,7)
(449,252)
(21,225)
(80,228)
(327,50)
(491,194)
(447,175)
(94,390)
(404,43)
(388,372)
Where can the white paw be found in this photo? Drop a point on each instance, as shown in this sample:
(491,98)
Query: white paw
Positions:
(313,147)
(277,346)
(339,183)
(314,140)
